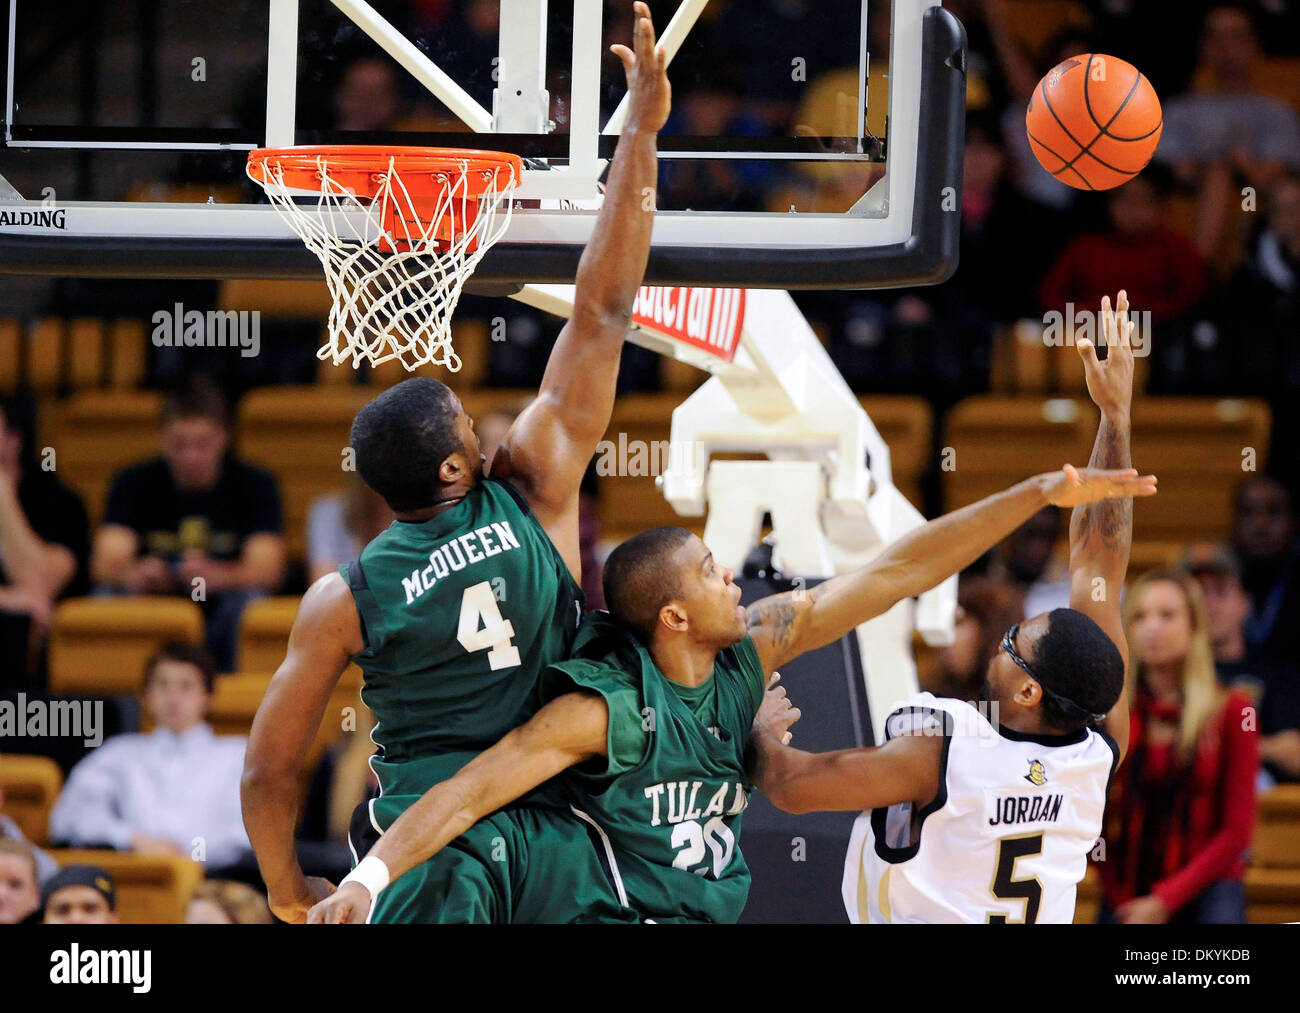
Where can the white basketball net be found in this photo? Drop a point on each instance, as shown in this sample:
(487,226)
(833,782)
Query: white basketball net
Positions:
(394,287)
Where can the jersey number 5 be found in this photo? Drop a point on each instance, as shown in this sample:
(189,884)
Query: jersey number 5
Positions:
(481,627)
(1007,887)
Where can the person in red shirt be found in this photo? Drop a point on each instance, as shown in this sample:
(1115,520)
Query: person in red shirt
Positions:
(1182,808)
(1158,265)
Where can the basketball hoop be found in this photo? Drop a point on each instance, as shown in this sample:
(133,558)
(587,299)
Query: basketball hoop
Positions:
(398,231)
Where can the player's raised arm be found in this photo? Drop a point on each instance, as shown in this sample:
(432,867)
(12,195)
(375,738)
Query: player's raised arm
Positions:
(1102,533)
(549,445)
(786,625)
(568,730)
(325,636)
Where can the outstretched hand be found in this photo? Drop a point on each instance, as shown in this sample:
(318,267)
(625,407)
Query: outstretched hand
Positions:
(1110,380)
(647,75)
(777,714)
(1071,486)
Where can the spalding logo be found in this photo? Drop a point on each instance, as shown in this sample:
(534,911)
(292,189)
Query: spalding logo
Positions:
(1059,71)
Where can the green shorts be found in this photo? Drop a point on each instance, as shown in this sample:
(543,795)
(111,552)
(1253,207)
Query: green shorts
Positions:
(527,865)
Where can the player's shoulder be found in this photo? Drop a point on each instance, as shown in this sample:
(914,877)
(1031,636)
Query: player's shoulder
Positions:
(927,714)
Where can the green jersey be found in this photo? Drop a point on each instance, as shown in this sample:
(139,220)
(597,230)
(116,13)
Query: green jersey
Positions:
(669,796)
(459,615)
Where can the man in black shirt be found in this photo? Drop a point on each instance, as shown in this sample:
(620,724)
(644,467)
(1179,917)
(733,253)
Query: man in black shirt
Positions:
(43,550)
(1264,538)
(1274,682)
(195,521)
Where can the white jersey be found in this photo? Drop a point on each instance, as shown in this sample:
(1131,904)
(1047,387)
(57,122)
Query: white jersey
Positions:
(1005,840)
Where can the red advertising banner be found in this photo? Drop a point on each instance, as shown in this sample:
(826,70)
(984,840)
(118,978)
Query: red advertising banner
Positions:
(708,318)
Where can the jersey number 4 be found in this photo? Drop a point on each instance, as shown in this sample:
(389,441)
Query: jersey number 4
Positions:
(1007,887)
(483,629)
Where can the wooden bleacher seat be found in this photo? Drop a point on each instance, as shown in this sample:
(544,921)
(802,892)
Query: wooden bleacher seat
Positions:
(100,646)
(1273,880)
(264,632)
(1024,363)
(264,636)
(151,890)
(1195,447)
(11,336)
(1277,829)
(100,432)
(277,299)
(31,786)
(998,440)
(907,426)
(299,434)
(86,353)
(45,339)
(1153,555)
(128,354)
(1087,902)
(237,696)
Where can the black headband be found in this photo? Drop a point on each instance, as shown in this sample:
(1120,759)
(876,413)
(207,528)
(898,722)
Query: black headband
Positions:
(1068,707)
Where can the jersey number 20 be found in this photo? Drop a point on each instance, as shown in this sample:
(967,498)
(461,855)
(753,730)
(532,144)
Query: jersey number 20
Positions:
(481,627)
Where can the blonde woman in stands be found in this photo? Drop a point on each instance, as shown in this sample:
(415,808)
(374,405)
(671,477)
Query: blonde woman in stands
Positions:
(1183,807)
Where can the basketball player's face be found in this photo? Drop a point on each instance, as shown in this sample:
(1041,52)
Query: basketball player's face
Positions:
(1006,682)
(710,595)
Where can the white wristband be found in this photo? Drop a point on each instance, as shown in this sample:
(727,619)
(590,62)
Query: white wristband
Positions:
(371,873)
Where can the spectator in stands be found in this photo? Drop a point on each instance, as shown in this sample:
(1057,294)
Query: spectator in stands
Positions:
(43,549)
(368,97)
(1273,683)
(1159,267)
(1183,805)
(1026,560)
(20,892)
(1264,537)
(174,791)
(340,524)
(1021,73)
(986,608)
(196,521)
(226,902)
(1260,310)
(1232,135)
(12,832)
(80,895)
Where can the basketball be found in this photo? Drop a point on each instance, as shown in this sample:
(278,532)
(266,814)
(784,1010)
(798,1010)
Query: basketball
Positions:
(1094,121)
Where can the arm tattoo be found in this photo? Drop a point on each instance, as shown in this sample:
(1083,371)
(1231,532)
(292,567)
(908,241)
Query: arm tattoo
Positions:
(1109,519)
(778,616)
